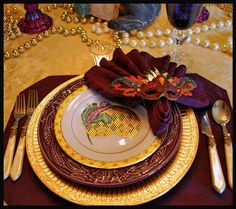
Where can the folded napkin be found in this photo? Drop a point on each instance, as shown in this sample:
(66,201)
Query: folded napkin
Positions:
(135,63)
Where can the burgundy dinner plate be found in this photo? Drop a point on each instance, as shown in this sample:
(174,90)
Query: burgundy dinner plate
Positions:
(65,166)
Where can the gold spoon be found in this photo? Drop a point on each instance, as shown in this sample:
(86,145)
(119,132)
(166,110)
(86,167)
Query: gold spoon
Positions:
(221,114)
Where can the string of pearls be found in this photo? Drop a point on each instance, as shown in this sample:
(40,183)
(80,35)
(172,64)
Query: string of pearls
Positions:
(152,39)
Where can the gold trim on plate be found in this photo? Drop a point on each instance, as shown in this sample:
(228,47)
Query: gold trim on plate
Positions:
(138,193)
(91,162)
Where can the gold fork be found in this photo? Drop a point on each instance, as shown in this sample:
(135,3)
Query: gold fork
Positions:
(19,113)
(17,165)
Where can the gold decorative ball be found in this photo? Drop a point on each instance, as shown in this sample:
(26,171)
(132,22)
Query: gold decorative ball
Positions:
(66,32)
(63,17)
(8,12)
(68,19)
(71,10)
(14,10)
(92,19)
(41,9)
(115,33)
(60,29)
(7,55)
(65,13)
(39,37)
(73,31)
(89,42)
(46,34)
(99,20)
(54,6)
(84,38)
(18,34)
(83,20)
(79,30)
(21,49)
(48,8)
(53,30)
(119,41)
(34,41)
(15,53)
(12,36)
(27,45)
(76,19)
(83,32)
(116,37)
(119,45)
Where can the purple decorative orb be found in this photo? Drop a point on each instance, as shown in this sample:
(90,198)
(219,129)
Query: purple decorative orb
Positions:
(204,15)
(35,21)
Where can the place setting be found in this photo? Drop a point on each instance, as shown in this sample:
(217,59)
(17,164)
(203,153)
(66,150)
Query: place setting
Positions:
(129,131)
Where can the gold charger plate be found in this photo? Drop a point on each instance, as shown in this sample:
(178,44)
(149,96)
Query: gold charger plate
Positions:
(138,193)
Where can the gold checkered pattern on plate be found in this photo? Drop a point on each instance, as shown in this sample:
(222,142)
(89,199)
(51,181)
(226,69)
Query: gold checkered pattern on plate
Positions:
(125,123)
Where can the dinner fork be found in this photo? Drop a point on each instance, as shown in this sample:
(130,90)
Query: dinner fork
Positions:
(17,165)
(19,113)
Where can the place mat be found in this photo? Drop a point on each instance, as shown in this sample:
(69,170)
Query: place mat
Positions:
(62,163)
(198,176)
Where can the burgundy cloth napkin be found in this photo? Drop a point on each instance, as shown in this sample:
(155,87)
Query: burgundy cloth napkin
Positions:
(194,189)
(136,63)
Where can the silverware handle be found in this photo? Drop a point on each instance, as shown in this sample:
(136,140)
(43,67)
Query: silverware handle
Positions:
(229,157)
(8,156)
(217,175)
(17,164)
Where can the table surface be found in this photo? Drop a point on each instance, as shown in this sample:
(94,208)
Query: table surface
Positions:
(60,55)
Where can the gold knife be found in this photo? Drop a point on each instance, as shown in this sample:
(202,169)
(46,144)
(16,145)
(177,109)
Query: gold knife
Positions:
(217,175)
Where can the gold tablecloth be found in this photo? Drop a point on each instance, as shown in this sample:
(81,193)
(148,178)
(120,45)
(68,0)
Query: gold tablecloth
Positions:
(60,55)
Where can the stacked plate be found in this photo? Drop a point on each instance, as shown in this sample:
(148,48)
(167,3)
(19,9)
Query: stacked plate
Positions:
(92,151)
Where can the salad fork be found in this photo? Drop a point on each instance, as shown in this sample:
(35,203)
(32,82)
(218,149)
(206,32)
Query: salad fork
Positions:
(17,165)
(19,113)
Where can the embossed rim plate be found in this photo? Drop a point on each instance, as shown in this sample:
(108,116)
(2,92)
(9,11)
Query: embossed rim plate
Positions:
(139,193)
(72,137)
(64,165)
